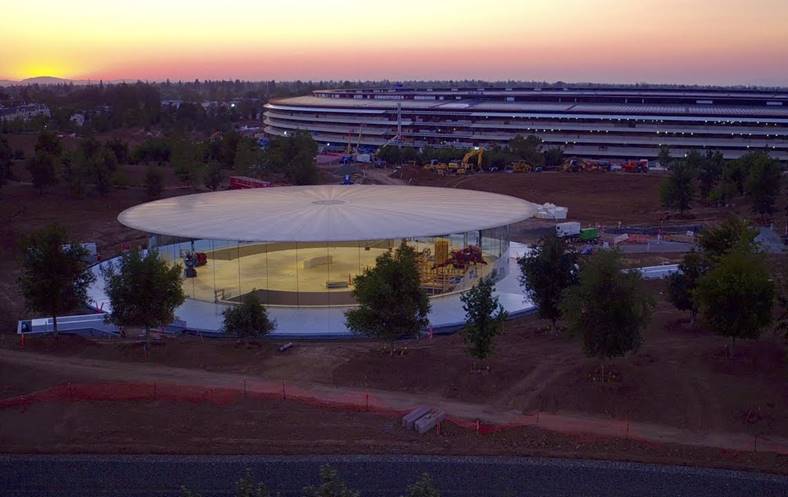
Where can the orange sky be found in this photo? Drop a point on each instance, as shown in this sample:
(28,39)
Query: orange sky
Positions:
(691,41)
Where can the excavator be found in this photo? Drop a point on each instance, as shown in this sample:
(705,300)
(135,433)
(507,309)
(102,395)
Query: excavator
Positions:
(522,166)
(466,161)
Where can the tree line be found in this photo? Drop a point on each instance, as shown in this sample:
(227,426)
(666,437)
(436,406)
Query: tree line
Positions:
(712,180)
(520,148)
(93,165)
(726,282)
(331,485)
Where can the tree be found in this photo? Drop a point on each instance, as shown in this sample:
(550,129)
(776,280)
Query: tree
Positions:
(546,271)
(608,308)
(120,149)
(43,170)
(48,143)
(736,296)
(103,166)
(154,182)
(682,284)
(484,318)
(330,485)
(717,241)
(247,158)
(248,320)
(6,160)
(678,189)
(214,176)
(423,487)
(389,153)
(392,304)
(294,156)
(664,157)
(246,486)
(553,157)
(763,182)
(143,290)
(734,175)
(527,149)
(709,173)
(55,275)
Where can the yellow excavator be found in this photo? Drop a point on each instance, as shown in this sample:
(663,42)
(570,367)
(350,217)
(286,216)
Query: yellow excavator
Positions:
(521,166)
(466,160)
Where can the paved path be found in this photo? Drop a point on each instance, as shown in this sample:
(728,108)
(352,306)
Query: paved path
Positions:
(95,370)
(374,476)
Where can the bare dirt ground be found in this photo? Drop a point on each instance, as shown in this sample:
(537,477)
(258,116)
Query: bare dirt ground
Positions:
(681,377)
(268,426)
(592,198)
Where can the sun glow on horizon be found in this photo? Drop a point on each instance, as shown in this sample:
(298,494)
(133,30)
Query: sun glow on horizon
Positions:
(704,41)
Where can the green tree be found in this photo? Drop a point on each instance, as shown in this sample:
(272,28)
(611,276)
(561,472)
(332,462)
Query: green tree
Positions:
(736,296)
(717,241)
(43,170)
(390,154)
(154,182)
(294,156)
(247,486)
(678,189)
(214,176)
(184,158)
(143,290)
(392,303)
(423,487)
(608,308)
(734,175)
(330,485)
(546,272)
(248,320)
(528,149)
(710,173)
(247,158)
(763,182)
(682,284)
(120,149)
(103,165)
(553,157)
(664,157)
(55,274)
(6,160)
(484,317)
(48,143)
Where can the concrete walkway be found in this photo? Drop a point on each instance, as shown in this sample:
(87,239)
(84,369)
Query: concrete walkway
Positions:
(100,371)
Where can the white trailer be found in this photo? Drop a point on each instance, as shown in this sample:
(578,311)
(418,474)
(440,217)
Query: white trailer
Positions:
(563,230)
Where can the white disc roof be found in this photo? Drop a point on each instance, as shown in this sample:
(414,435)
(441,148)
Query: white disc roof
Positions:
(326,213)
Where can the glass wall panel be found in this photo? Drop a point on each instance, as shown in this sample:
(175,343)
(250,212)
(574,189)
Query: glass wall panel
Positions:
(321,274)
(223,261)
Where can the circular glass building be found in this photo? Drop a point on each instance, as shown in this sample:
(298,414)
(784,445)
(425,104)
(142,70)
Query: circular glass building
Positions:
(301,246)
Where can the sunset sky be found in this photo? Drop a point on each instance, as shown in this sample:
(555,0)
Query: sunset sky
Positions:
(661,41)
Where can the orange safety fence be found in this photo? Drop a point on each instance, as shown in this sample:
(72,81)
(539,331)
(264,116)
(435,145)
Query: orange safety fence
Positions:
(358,401)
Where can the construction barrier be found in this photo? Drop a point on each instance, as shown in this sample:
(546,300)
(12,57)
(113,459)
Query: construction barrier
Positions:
(364,402)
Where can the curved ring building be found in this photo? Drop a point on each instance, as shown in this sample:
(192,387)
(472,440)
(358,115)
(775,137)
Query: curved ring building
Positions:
(302,246)
(630,122)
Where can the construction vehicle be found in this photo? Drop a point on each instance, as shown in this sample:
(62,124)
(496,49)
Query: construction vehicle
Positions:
(588,235)
(585,166)
(566,230)
(521,166)
(635,166)
(466,160)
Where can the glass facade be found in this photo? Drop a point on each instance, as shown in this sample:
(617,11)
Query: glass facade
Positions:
(321,274)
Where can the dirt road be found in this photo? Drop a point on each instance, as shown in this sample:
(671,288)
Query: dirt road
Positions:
(109,371)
